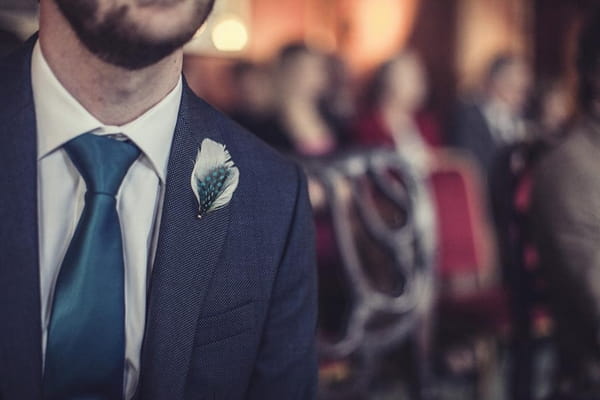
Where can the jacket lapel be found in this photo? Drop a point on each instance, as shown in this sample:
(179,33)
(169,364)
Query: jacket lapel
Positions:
(20,336)
(187,254)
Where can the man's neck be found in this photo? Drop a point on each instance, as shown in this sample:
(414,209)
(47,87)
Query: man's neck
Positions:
(112,94)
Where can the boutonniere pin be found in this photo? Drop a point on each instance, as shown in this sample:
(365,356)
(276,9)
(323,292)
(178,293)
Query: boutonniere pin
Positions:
(214,178)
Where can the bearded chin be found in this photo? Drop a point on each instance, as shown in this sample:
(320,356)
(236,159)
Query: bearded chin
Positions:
(117,41)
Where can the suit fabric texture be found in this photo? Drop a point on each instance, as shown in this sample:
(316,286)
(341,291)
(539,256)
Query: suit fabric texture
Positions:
(231,304)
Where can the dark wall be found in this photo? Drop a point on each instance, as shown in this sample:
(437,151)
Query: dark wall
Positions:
(434,37)
(556,25)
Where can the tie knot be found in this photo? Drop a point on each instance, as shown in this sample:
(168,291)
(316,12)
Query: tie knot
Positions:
(102,162)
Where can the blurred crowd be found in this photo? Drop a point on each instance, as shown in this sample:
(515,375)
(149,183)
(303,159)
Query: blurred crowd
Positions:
(304,102)
(511,172)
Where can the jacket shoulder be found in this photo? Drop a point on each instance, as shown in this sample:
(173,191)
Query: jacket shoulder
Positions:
(15,78)
(265,165)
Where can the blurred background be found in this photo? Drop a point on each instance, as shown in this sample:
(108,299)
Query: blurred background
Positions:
(418,123)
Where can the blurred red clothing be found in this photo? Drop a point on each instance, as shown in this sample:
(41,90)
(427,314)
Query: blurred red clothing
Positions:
(372,131)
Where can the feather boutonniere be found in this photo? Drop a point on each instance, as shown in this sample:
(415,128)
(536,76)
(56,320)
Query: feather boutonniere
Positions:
(214,178)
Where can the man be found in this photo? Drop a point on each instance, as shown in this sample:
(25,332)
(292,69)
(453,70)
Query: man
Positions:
(119,279)
(486,124)
(566,217)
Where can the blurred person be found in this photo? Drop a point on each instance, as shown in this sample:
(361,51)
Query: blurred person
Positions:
(493,119)
(127,270)
(254,106)
(338,104)
(393,112)
(300,126)
(550,110)
(548,115)
(566,222)
(394,98)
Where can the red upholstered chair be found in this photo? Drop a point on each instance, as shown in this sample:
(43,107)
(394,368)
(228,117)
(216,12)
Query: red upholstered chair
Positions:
(464,240)
(467,267)
(472,305)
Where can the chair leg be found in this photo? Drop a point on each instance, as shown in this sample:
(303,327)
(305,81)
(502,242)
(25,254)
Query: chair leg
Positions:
(488,367)
(423,387)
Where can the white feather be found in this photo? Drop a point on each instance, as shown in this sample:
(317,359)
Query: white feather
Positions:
(210,156)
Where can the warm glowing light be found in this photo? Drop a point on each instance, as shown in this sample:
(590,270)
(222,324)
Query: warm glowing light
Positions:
(377,30)
(230,34)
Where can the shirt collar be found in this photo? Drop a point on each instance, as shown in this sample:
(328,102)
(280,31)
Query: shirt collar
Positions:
(152,132)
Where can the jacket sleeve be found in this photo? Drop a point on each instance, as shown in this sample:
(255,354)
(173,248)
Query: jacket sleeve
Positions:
(286,366)
(566,221)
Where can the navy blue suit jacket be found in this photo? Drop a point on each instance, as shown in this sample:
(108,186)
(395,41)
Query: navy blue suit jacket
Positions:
(471,132)
(231,309)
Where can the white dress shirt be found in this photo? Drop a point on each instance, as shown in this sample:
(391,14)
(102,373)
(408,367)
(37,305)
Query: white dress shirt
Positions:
(506,127)
(60,118)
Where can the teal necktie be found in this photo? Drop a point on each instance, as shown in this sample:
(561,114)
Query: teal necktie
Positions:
(85,352)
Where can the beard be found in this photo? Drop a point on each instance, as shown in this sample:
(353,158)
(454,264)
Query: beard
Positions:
(117,40)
